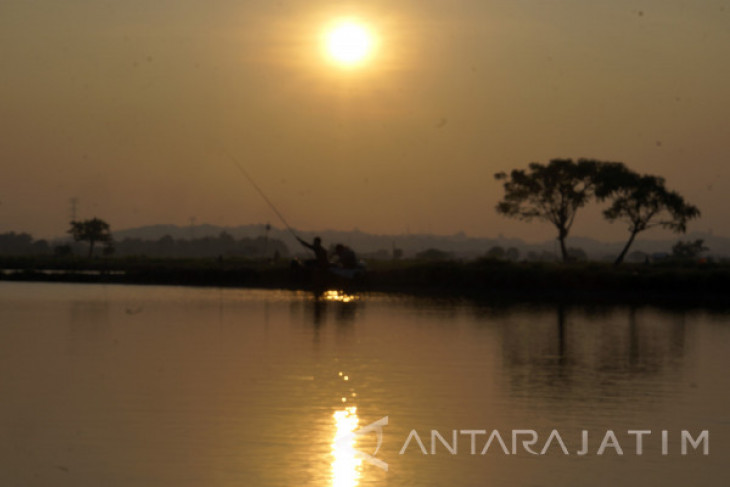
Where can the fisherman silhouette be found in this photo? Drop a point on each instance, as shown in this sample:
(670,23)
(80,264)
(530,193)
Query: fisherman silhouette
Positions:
(320,252)
(346,256)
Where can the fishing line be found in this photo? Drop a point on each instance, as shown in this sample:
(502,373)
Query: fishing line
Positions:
(263,195)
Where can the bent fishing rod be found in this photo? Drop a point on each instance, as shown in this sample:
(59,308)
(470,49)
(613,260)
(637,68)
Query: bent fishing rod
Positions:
(263,195)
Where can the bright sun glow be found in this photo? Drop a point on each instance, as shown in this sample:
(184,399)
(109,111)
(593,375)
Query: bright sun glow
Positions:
(345,464)
(349,43)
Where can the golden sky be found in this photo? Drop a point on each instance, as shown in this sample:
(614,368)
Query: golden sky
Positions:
(133,107)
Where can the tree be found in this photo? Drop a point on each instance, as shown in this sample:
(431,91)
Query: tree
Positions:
(497,253)
(552,192)
(92,231)
(688,250)
(512,254)
(62,250)
(643,202)
(108,249)
(433,255)
(15,243)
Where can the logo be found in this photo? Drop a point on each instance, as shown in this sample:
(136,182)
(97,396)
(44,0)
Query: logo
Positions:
(345,442)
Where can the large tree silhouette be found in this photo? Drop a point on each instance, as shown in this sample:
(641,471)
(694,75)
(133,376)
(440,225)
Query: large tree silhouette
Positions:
(92,231)
(643,202)
(552,192)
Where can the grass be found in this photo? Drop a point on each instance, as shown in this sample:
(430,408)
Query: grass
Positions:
(596,282)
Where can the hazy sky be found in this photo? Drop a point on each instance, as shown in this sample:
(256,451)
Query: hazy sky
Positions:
(133,106)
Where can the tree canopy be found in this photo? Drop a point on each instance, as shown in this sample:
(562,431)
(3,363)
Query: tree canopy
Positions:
(688,250)
(552,192)
(556,191)
(92,231)
(643,202)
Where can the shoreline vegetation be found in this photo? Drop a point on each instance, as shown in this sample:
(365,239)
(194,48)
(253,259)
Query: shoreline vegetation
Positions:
(552,192)
(670,283)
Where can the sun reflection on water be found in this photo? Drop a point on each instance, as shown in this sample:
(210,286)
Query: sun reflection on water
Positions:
(339,296)
(345,464)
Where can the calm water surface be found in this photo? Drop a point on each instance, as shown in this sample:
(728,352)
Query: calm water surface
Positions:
(166,386)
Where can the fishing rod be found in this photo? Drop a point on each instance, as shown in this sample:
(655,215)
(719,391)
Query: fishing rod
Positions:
(263,195)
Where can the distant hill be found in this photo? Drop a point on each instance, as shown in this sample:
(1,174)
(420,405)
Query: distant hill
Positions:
(460,245)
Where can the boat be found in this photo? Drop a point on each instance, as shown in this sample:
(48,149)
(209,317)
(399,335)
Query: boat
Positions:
(317,278)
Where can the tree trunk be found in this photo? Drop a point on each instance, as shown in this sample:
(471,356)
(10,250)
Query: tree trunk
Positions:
(563,249)
(621,256)
(91,248)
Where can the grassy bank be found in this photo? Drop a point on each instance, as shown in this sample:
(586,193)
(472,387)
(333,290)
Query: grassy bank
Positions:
(554,281)
(596,282)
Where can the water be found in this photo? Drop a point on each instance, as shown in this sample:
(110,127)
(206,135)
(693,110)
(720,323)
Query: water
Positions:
(166,386)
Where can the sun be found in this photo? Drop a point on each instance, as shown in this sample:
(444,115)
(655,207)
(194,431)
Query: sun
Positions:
(349,43)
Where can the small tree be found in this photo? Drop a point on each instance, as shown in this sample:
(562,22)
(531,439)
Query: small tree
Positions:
(108,249)
(688,250)
(62,250)
(552,192)
(643,202)
(497,252)
(92,231)
(512,254)
(433,255)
